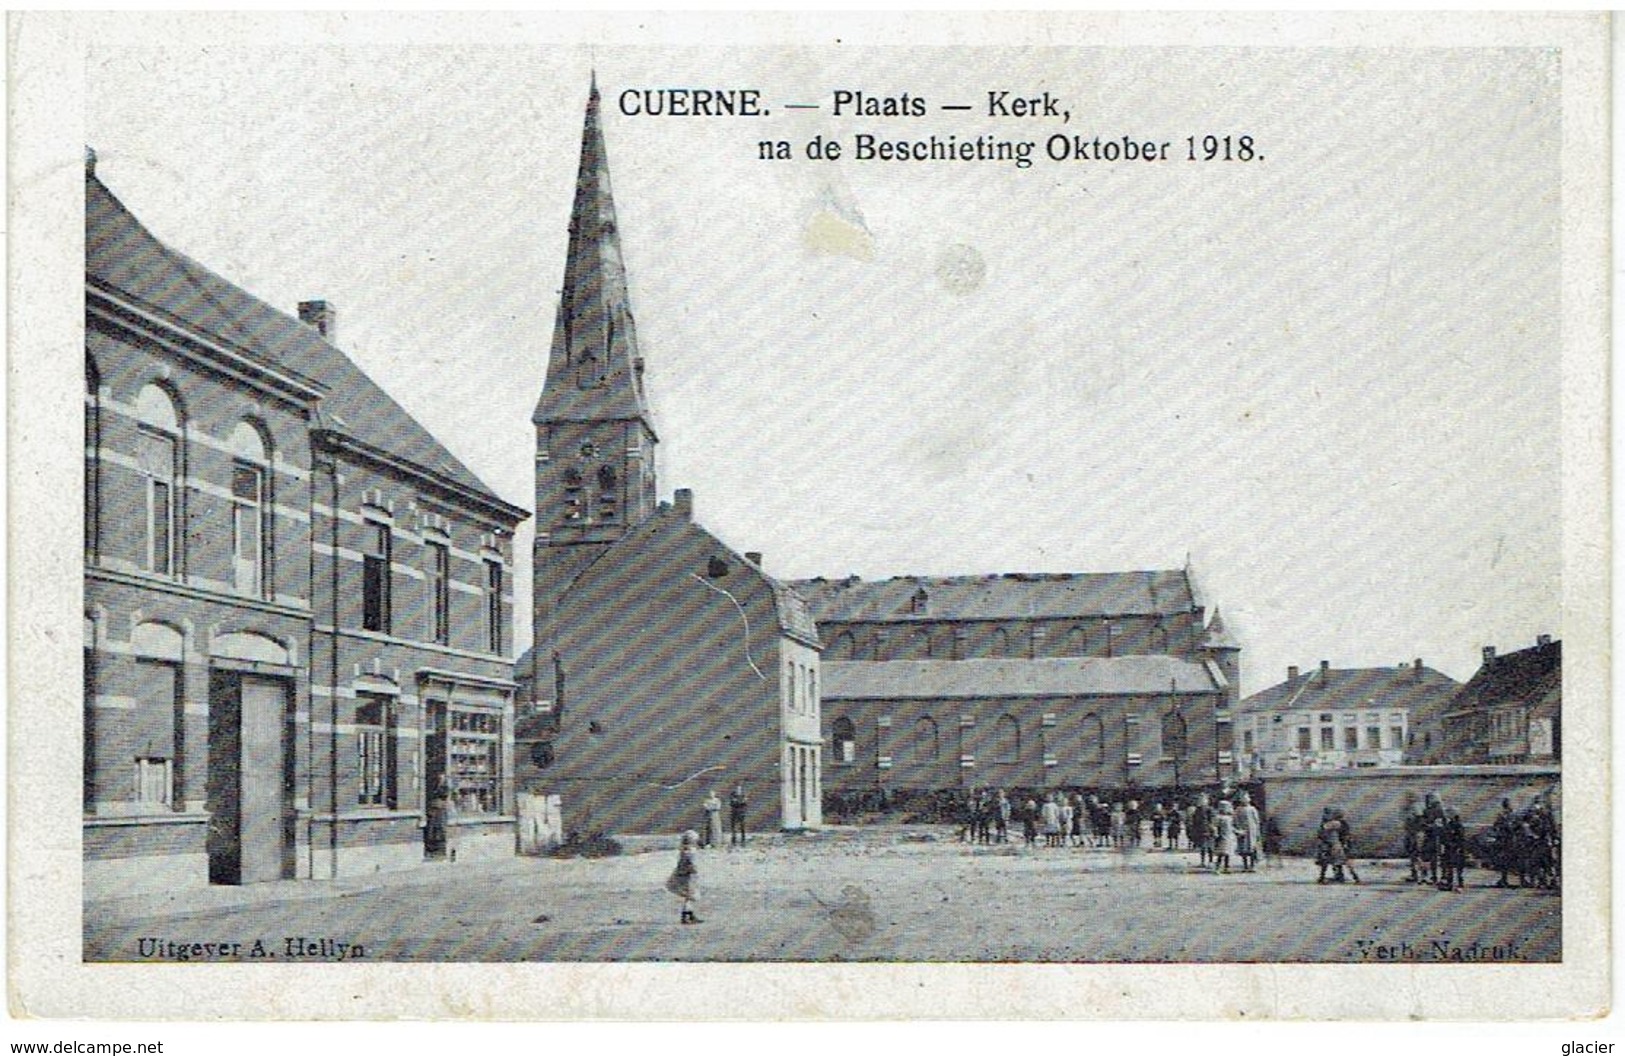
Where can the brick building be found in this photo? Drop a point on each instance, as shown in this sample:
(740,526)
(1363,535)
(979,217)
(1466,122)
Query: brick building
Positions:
(664,662)
(1332,718)
(1510,711)
(1105,680)
(298,614)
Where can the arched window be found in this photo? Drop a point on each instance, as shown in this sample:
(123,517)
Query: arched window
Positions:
(845,739)
(1093,738)
(925,739)
(609,493)
(1001,642)
(1007,740)
(919,644)
(574,505)
(1175,733)
(250,509)
(845,647)
(1159,639)
(1077,641)
(158,441)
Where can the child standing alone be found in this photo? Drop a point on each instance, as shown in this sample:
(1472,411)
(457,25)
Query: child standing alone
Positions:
(684,881)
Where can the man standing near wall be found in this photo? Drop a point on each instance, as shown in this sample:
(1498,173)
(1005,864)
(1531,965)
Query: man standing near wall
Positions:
(738,806)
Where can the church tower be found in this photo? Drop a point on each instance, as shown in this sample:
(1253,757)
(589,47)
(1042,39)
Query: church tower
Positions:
(595,443)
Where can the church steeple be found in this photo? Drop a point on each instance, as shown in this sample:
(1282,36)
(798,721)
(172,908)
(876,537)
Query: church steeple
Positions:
(594,371)
(595,440)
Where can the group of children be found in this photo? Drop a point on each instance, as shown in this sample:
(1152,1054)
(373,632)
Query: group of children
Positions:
(1230,831)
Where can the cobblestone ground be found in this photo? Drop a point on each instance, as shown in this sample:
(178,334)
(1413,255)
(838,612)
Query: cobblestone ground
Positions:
(881,894)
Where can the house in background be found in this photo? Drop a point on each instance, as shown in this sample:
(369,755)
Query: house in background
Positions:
(1332,718)
(1511,710)
(298,610)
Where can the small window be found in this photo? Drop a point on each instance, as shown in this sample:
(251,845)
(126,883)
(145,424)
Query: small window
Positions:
(1094,738)
(493,605)
(574,503)
(157,457)
(153,783)
(375,750)
(248,533)
(376,574)
(1325,717)
(926,745)
(1007,740)
(609,493)
(440,592)
(1247,741)
(845,738)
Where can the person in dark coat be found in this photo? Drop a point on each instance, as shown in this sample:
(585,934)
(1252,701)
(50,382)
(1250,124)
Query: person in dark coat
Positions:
(1414,824)
(1505,829)
(1329,853)
(738,808)
(1453,853)
(1202,829)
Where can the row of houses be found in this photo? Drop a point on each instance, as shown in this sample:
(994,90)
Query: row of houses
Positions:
(1510,711)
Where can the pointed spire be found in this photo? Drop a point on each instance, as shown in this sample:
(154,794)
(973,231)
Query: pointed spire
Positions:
(1218,635)
(594,372)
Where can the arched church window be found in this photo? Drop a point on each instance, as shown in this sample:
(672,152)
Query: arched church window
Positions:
(573,505)
(925,739)
(1093,738)
(845,738)
(1007,740)
(1001,642)
(609,493)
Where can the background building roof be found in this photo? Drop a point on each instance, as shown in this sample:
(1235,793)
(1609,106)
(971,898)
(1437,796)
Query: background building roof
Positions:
(1528,676)
(1419,689)
(1011,596)
(981,679)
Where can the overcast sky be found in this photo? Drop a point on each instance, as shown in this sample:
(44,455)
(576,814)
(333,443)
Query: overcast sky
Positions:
(1330,376)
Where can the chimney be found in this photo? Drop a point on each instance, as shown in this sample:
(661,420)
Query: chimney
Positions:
(1489,653)
(1544,639)
(754,557)
(321,316)
(1416,668)
(90,161)
(1325,673)
(1291,672)
(683,502)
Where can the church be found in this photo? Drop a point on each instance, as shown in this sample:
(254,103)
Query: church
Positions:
(665,664)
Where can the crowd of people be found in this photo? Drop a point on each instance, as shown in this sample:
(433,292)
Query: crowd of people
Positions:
(1228,833)
(1525,844)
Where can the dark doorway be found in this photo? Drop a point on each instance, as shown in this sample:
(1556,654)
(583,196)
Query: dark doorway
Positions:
(249,789)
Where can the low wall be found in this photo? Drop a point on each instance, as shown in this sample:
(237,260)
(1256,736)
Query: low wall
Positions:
(1375,801)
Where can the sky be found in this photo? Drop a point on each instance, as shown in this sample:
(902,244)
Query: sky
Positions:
(1328,376)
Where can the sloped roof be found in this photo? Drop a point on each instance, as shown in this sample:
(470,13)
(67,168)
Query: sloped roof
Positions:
(793,616)
(122,254)
(973,679)
(1420,691)
(1528,676)
(1010,596)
